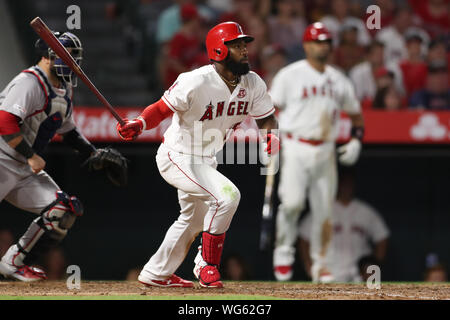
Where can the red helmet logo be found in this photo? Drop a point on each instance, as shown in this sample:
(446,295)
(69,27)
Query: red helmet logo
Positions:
(219,35)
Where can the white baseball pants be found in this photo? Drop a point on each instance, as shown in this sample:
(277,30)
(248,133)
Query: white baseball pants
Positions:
(306,171)
(208,201)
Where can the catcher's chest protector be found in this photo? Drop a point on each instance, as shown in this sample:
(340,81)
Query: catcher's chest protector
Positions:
(39,128)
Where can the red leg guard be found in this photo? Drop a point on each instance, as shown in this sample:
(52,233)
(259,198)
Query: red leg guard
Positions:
(212,246)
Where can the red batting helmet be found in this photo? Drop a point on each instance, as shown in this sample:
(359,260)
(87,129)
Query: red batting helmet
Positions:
(316,32)
(221,34)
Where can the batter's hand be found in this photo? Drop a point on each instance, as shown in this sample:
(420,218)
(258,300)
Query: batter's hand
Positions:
(36,163)
(349,152)
(130,130)
(273,144)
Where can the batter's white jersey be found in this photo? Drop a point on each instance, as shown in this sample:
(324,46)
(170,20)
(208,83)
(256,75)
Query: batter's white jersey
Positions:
(205,110)
(310,101)
(354,227)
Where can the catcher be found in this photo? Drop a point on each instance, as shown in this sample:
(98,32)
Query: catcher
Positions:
(34,106)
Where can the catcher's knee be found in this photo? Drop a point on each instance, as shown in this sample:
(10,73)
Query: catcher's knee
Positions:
(60,215)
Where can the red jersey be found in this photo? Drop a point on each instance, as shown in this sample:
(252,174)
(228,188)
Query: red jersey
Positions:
(414,76)
(188,51)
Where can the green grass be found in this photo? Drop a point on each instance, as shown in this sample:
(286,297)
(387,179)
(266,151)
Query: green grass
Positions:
(384,285)
(142,297)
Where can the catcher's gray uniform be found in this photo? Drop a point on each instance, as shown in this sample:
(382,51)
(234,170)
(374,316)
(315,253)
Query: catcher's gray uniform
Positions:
(44,110)
(32,111)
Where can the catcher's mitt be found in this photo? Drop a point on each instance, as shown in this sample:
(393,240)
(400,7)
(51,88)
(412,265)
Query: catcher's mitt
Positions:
(112,162)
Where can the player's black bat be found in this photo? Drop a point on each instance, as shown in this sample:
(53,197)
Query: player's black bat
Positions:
(265,239)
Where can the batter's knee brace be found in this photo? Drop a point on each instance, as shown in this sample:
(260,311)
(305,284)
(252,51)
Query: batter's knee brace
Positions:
(51,227)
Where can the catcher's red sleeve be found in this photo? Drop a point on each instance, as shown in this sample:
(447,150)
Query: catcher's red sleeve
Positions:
(9,123)
(155,113)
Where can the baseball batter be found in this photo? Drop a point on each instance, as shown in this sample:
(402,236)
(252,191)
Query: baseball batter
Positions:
(310,94)
(206,103)
(34,106)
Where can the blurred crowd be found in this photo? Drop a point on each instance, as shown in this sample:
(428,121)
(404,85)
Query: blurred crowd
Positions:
(402,64)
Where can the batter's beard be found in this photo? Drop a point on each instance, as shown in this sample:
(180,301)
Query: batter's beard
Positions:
(237,68)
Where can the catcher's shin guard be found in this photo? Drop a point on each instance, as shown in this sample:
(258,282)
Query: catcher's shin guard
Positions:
(49,229)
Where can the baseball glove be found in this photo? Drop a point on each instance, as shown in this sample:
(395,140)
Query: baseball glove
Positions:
(112,162)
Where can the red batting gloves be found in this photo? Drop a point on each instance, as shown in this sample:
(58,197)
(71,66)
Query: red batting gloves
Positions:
(130,130)
(273,144)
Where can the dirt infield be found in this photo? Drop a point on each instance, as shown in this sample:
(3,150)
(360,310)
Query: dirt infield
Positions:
(309,291)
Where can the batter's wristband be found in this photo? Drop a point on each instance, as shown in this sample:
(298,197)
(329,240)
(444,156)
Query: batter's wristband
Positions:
(357,132)
(24,149)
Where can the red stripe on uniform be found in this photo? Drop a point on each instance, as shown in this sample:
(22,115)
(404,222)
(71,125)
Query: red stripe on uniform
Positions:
(9,123)
(217,202)
(264,113)
(169,104)
(45,91)
(32,238)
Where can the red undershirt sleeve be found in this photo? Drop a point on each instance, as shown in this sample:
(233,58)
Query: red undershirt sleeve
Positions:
(9,123)
(155,113)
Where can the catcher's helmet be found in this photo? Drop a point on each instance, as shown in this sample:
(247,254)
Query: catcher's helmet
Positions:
(42,48)
(69,41)
(221,34)
(316,32)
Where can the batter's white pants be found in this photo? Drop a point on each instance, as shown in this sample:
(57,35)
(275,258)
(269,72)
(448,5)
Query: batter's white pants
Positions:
(208,201)
(306,171)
